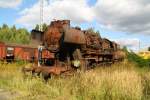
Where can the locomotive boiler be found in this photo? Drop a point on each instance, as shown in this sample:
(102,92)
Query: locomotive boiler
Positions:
(62,48)
(82,47)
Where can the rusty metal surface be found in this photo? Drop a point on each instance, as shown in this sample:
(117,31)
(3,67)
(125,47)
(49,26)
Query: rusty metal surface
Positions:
(105,44)
(51,38)
(23,52)
(55,70)
(93,45)
(60,42)
(93,40)
(37,36)
(119,55)
(74,36)
(60,23)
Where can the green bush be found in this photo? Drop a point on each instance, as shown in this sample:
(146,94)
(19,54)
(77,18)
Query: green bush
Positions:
(13,35)
(139,61)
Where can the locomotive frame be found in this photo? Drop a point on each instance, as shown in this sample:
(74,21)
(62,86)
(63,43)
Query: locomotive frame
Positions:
(63,48)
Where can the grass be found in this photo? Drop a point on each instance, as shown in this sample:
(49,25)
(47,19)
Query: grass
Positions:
(122,81)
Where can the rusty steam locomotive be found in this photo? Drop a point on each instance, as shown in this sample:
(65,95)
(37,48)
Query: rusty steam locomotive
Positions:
(73,48)
(64,48)
(68,44)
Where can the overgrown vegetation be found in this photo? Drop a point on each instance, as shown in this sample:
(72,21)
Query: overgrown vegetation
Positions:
(92,31)
(44,27)
(140,61)
(148,48)
(118,82)
(121,81)
(13,35)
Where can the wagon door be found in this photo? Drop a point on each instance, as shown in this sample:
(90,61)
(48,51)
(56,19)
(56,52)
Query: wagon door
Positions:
(9,54)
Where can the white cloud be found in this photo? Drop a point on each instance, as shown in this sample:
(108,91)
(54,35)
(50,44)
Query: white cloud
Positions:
(75,10)
(132,16)
(131,43)
(128,42)
(124,15)
(10,3)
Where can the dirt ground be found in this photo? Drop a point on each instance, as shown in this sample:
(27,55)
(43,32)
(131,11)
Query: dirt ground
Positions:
(7,95)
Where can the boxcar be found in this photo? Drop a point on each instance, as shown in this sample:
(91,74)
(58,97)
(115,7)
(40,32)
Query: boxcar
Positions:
(13,52)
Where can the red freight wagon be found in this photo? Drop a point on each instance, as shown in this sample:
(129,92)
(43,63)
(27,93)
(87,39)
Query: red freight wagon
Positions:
(12,52)
(18,52)
(2,50)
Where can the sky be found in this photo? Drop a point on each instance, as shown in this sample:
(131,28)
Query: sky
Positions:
(125,21)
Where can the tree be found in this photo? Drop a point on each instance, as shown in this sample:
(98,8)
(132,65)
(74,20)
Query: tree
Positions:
(23,36)
(125,49)
(44,26)
(14,35)
(98,33)
(5,26)
(148,48)
(92,31)
(37,27)
(14,28)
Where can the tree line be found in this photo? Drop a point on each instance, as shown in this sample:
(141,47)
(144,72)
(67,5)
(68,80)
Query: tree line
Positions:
(14,35)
